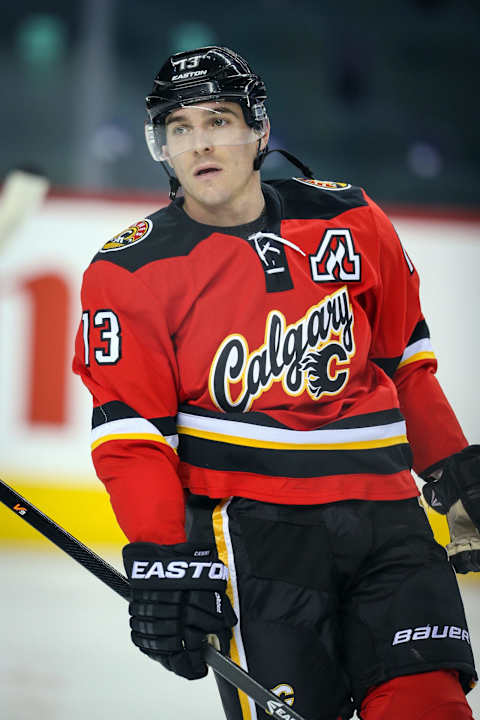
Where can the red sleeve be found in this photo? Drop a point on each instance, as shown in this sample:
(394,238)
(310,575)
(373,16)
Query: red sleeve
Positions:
(401,346)
(125,356)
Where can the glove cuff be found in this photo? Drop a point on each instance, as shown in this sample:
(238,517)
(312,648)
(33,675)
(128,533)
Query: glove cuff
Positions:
(439,496)
(464,548)
(462,471)
(459,478)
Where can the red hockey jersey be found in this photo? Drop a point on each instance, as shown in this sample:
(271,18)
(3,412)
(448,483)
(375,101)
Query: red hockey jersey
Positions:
(289,366)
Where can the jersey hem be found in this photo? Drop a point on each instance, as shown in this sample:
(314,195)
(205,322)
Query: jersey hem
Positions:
(402,488)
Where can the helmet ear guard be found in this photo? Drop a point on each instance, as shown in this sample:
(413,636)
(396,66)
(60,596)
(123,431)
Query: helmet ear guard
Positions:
(154,139)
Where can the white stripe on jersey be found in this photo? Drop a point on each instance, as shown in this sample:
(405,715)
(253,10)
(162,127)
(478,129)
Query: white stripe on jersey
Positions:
(131,426)
(261,433)
(420,346)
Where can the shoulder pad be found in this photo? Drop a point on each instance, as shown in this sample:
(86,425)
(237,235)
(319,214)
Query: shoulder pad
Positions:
(164,234)
(305,198)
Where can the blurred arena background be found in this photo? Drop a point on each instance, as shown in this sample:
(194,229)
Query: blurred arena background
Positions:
(380,95)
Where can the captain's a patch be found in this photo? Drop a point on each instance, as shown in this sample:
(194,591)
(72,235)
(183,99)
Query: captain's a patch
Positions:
(131,236)
(324,184)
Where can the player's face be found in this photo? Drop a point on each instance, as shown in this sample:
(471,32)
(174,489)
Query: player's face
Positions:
(212,149)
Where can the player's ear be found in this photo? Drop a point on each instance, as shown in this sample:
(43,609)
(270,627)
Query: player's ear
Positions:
(266,136)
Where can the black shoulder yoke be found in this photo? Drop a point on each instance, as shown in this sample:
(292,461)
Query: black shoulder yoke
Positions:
(173,234)
(305,199)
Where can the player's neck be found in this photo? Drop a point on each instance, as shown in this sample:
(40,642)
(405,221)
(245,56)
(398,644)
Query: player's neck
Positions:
(237,211)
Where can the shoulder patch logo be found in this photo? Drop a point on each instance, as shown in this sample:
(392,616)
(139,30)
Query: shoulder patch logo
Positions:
(324,184)
(130,236)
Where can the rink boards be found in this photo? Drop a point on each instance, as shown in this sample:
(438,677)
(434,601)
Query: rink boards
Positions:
(45,410)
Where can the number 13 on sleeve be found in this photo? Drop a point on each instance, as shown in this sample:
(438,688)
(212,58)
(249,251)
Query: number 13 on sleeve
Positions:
(109,335)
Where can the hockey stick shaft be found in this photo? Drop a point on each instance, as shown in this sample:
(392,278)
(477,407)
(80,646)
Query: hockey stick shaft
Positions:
(118,582)
(63,540)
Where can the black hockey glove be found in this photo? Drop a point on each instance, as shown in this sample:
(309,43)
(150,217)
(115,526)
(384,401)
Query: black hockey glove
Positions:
(178,598)
(456,494)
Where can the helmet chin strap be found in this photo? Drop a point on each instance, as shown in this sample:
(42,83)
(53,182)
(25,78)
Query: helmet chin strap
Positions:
(172,181)
(262,154)
(257,164)
(174,187)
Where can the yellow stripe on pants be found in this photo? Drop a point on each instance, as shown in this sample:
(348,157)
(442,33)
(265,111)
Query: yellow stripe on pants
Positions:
(225,553)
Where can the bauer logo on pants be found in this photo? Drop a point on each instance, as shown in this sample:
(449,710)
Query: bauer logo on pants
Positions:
(435,632)
(131,236)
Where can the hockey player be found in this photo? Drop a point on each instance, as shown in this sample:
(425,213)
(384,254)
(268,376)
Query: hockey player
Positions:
(257,357)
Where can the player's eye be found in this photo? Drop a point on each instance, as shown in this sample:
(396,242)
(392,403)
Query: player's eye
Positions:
(219,122)
(179,130)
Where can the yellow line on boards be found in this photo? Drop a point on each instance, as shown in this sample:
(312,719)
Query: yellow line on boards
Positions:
(84,510)
(81,509)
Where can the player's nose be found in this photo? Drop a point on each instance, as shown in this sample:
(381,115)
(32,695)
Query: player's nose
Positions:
(202,141)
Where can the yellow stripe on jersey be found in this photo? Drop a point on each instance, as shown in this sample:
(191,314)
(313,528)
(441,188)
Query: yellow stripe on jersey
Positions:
(223,554)
(132,436)
(272,445)
(416,358)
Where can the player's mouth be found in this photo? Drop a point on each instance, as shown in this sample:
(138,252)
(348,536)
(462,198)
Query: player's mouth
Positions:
(207,170)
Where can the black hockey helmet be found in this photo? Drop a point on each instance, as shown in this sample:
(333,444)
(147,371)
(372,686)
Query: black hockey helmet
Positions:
(207,74)
(203,75)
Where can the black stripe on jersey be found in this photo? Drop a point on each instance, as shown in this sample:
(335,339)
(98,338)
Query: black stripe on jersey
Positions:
(421,331)
(293,463)
(388,365)
(252,418)
(116,410)
(381,417)
(166,425)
